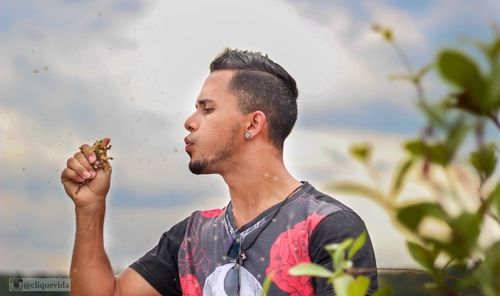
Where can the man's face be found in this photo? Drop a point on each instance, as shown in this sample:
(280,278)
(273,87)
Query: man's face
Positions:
(215,127)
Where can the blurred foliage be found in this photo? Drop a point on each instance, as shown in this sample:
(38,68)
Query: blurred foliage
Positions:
(343,282)
(442,229)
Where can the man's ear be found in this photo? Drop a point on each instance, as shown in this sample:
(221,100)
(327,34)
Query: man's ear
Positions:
(256,123)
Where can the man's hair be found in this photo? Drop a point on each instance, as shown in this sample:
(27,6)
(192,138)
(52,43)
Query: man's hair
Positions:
(262,85)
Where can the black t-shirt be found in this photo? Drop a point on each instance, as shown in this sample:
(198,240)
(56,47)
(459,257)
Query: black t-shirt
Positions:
(190,258)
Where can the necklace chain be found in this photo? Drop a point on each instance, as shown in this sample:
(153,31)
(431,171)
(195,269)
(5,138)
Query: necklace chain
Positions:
(243,256)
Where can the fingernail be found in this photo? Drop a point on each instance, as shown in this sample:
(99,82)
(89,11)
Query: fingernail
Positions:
(86,174)
(92,158)
(92,173)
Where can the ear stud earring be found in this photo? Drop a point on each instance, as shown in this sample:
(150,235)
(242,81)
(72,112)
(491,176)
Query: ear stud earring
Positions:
(248,135)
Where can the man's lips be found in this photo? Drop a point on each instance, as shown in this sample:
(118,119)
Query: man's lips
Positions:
(188,143)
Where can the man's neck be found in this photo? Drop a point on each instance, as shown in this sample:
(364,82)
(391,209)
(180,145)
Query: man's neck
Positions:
(256,186)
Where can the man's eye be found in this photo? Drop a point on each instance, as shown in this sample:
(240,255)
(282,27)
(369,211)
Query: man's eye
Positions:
(208,110)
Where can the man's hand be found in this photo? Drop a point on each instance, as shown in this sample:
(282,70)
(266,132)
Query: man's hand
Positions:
(78,170)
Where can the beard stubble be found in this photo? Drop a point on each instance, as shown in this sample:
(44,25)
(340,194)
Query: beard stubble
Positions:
(200,166)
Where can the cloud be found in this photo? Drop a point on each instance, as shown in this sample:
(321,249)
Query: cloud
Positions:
(75,71)
(37,235)
(366,61)
(451,16)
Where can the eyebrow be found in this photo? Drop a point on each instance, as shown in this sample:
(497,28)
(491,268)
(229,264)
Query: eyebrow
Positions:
(202,102)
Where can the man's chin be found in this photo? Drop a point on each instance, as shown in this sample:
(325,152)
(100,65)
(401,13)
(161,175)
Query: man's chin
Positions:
(198,167)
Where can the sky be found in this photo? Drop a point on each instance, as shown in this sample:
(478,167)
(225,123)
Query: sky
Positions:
(72,72)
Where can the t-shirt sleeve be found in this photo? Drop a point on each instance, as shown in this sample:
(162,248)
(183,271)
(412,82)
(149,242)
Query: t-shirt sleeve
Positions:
(159,266)
(335,228)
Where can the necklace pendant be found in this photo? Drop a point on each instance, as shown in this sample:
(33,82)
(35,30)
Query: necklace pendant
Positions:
(242,258)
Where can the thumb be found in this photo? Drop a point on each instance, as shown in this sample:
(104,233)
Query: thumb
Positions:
(105,141)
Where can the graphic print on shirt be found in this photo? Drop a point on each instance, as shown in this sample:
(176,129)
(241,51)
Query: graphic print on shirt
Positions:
(203,264)
(194,263)
(289,249)
(214,285)
(191,256)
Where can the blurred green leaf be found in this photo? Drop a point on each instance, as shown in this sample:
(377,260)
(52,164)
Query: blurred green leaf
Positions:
(310,269)
(400,176)
(436,153)
(439,154)
(488,272)
(267,284)
(361,151)
(337,251)
(484,161)
(466,228)
(332,248)
(494,81)
(411,216)
(357,189)
(422,256)
(462,71)
(358,244)
(415,147)
(457,68)
(359,286)
(494,198)
(456,134)
(491,51)
(386,290)
(341,285)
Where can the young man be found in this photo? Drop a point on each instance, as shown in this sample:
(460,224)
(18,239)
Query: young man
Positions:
(244,112)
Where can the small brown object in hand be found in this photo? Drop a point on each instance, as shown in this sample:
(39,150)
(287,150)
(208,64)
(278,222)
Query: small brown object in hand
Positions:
(102,159)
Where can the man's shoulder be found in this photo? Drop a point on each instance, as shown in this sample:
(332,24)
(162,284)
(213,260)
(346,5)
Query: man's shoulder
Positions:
(205,215)
(202,219)
(196,219)
(320,202)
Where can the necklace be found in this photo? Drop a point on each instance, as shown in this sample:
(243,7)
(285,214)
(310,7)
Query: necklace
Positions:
(234,246)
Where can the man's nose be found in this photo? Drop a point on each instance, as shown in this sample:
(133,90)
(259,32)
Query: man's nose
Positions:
(190,124)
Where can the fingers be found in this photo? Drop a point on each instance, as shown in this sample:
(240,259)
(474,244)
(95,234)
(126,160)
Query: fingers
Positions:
(88,152)
(80,166)
(70,175)
(80,157)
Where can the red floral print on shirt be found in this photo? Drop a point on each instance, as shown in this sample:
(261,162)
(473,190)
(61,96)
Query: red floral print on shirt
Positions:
(190,285)
(289,249)
(193,253)
(212,213)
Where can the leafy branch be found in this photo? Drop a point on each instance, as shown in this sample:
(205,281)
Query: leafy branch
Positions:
(434,233)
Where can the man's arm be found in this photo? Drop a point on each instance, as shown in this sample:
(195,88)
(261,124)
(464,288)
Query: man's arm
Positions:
(91,272)
(129,282)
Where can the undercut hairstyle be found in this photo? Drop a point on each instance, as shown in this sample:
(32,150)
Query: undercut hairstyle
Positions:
(262,85)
